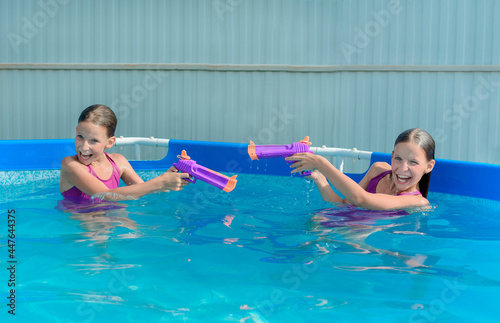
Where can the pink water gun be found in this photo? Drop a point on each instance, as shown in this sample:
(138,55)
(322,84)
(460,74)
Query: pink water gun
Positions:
(195,171)
(280,151)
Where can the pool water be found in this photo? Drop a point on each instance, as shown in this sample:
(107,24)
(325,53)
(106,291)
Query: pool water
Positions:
(269,251)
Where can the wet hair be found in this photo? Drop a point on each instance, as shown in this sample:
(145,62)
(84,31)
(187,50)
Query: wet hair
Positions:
(100,115)
(424,141)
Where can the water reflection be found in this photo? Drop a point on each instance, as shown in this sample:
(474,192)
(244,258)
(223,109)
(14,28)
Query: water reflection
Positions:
(347,229)
(99,220)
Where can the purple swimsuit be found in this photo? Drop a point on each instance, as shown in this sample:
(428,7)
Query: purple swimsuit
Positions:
(372,185)
(111,182)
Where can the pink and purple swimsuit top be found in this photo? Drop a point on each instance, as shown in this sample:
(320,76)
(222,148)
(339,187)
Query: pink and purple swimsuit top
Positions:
(372,185)
(111,183)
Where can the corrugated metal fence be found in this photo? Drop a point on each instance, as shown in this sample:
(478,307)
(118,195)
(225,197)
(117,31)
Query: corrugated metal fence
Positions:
(348,73)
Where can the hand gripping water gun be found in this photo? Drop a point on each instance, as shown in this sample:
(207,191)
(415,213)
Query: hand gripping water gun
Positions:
(277,151)
(195,171)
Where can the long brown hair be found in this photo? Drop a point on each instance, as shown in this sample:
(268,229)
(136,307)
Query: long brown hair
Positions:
(426,142)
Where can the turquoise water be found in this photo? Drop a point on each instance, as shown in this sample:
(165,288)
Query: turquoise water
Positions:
(270,251)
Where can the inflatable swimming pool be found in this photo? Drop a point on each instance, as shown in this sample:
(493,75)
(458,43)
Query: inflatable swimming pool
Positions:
(271,250)
(448,176)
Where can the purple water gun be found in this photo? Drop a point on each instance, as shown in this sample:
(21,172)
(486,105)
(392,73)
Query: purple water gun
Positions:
(195,171)
(280,151)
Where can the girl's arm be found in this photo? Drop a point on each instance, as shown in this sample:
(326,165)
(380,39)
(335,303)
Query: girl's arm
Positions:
(349,188)
(73,173)
(327,193)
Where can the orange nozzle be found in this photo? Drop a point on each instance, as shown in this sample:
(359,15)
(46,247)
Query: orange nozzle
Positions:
(306,141)
(251,151)
(231,184)
(183,156)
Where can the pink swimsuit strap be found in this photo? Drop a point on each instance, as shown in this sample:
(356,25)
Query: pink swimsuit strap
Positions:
(114,179)
(372,185)
(112,182)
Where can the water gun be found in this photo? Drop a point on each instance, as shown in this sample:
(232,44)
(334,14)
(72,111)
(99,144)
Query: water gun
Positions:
(195,171)
(280,151)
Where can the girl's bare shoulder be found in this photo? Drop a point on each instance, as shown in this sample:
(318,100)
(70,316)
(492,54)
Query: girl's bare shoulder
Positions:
(121,162)
(70,161)
(119,159)
(377,168)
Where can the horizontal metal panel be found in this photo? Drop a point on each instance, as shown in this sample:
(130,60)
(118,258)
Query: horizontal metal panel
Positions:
(296,32)
(249,67)
(366,110)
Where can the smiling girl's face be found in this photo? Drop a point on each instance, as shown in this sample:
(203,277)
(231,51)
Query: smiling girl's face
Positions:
(90,142)
(409,163)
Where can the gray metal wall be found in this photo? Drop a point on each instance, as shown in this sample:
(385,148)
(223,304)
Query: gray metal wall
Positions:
(348,73)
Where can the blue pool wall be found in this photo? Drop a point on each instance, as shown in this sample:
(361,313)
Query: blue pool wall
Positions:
(449,176)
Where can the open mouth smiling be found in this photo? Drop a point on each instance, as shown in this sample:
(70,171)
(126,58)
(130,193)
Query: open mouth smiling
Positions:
(85,156)
(403,179)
